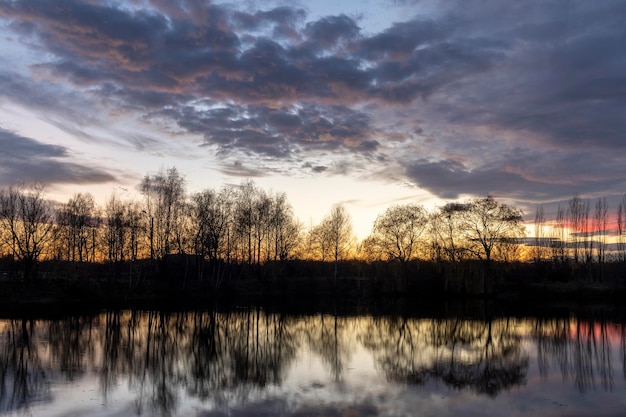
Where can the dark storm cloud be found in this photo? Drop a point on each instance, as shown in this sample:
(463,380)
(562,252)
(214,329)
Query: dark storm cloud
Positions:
(277,84)
(24,159)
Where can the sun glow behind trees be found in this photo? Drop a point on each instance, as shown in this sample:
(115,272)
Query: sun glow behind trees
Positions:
(245,224)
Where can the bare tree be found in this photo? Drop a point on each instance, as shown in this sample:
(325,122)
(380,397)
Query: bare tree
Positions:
(77,222)
(261,213)
(183,229)
(212,219)
(165,196)
(29,220)
(396,232)
(319,243)
(338,227)
(600,219)
(540,241)
(446,233)
(124,225)
(487,225)
(285,228)
(558,236)
(578,222)
(621,229)
(136,228)
(244,219)
(115,229)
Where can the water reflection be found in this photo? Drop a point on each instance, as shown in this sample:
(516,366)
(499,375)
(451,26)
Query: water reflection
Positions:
(22,368)
(163,361)
(485,357)
(581,350)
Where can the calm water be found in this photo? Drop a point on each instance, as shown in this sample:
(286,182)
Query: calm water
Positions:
(249,363)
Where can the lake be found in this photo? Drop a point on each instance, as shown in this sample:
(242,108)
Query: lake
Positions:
(251,362)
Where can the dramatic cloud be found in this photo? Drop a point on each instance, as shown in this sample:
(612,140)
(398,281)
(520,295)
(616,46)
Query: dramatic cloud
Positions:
(277,132)
(523,100)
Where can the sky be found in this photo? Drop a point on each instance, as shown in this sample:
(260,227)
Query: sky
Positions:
(367,103)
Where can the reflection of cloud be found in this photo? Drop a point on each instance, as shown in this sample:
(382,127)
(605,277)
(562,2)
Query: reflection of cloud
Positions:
(26,160)
(280,406)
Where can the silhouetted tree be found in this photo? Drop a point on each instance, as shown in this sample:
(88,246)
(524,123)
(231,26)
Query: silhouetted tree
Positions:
(319,244)
(244,221)
(485,226)
(77,222)
(285,228)
(621,229)
(396,232)
(212,219)
(578,219)
(600,220)
(558,236)
(115,229)
(445,225)
(487,223)
(165,196)
(337,229)
(28,218)
(540,247)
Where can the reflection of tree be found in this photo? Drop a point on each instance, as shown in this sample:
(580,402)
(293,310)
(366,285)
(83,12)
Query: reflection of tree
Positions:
(623,347)
(260,345)
(206,356)
(397,345)
(581,348)
(495,361)
(551,336)
(156,372)
(22,372)
(225,357)
(111,351)
(328,337)
(211,355)
(71,344)
(483,356)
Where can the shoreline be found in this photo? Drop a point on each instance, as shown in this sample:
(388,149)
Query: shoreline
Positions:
(304,294)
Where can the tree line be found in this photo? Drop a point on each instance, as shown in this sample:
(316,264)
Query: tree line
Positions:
(247,225)
(582,232)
